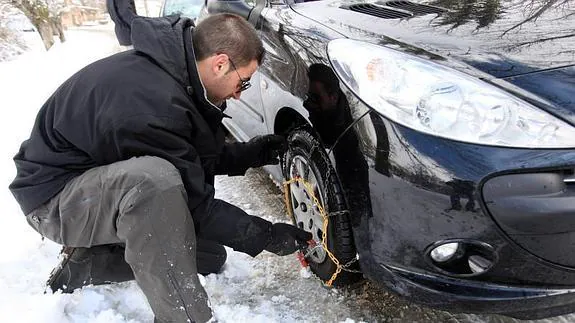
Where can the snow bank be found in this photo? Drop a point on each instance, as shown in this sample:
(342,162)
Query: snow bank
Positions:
(11,44)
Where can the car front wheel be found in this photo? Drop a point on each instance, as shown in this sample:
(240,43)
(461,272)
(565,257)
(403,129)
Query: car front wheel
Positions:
(313,187)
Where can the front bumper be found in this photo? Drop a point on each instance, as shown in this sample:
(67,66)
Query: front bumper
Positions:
(536,210)
(424,190)
(460,295)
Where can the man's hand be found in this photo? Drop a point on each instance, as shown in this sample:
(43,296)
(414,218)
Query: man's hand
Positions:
(266,149)
(287,239)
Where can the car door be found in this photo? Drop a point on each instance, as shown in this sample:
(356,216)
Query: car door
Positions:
(246,116)
(282,71)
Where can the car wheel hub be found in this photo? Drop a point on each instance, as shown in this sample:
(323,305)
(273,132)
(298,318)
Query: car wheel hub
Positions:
(306,210)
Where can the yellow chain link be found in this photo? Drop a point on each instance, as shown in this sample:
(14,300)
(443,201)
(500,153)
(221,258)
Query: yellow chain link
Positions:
(324,216)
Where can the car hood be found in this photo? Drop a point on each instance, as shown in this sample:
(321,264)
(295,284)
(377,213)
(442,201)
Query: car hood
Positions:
(498,37)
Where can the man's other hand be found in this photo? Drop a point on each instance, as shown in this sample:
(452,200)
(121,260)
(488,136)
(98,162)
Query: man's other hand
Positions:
(266,149)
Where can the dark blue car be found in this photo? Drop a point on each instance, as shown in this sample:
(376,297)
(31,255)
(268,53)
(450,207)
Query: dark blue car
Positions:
(431,143)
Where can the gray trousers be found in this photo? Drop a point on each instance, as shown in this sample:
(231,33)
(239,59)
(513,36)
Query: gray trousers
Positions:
(141,203)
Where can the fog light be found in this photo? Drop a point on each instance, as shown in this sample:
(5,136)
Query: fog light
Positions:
(444,252)
(461,257)
(479,264)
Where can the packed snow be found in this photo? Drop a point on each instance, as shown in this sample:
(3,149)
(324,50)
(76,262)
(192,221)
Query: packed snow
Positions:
(262,289)
(11,44)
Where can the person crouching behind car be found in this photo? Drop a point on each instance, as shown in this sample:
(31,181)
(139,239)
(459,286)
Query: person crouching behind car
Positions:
(122,159)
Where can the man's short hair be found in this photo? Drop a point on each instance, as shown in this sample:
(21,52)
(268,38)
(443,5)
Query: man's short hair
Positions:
(227,34)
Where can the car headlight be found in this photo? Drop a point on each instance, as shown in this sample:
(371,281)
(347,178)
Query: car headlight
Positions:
(441,101)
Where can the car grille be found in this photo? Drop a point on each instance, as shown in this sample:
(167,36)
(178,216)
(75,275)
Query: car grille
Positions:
(415,8)
(394,9)
(378,11)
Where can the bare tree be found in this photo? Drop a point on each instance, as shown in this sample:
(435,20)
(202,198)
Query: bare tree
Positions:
(44,15)
(56,8)
(462,11)
(537,8)
(488,11)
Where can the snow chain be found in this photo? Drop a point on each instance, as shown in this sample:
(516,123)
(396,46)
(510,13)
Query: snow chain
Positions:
(325,218)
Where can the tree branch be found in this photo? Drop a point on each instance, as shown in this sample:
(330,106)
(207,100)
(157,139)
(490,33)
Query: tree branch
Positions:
(545,39)
(539,12)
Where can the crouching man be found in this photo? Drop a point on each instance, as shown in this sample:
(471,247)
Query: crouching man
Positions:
(120,165)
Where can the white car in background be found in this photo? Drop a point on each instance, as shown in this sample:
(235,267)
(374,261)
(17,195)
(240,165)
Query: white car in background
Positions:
(19,22)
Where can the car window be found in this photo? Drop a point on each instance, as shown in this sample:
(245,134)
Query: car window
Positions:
(188,8)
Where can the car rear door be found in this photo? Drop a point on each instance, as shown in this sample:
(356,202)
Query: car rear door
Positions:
(283,73)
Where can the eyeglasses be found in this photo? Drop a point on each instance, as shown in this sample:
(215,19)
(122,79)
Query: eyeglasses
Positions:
(245,84)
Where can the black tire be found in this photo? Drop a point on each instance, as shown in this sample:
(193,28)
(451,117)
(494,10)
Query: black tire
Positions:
(303,146)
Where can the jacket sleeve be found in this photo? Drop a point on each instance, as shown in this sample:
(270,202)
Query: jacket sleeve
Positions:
(165,138)
(233,160)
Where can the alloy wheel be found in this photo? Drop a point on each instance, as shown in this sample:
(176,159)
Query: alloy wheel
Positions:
(306,210)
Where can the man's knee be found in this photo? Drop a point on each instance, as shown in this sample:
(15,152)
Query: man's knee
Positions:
(149,171)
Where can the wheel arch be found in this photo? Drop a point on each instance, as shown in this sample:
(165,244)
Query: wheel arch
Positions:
(287,119)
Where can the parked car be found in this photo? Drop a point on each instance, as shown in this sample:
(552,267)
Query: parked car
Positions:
(437,136)
(186,8)
(19,22)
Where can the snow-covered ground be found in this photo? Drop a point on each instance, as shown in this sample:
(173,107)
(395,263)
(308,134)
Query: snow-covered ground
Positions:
(263,289)
(11,44)
(13,38)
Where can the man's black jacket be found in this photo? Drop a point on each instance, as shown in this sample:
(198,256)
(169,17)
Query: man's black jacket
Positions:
(146,101)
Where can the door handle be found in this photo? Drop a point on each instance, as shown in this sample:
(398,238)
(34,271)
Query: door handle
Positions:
(264,84)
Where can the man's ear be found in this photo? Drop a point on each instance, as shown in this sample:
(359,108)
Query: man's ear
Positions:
(220,64)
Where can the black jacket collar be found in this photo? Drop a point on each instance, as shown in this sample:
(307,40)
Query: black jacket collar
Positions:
(195,88)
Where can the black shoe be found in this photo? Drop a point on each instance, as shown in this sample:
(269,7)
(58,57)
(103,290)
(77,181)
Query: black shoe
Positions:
(105,264)
(72,272)
(89,266)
